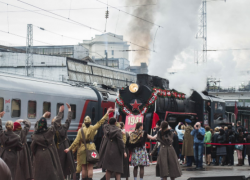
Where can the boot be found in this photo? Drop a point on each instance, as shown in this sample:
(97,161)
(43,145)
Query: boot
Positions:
(238,163)
(241,162)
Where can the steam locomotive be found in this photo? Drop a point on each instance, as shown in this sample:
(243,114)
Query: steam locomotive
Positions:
(208,110)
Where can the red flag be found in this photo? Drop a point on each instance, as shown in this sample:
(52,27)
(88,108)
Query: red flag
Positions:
(155,120)
(235,110)
(111,115)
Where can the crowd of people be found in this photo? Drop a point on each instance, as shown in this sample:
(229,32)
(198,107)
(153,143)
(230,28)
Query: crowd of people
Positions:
(217,145)
(51,155)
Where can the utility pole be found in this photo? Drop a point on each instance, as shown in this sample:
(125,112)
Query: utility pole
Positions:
(106,57)
(202,32)
(29,52)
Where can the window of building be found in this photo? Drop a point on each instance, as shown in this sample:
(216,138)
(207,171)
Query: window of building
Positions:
(57,108)
(31,109)
(73,109)
(15,108)
(1,104)
(46,107)
(93,114)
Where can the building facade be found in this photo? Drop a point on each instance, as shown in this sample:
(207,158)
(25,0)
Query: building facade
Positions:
(109,50)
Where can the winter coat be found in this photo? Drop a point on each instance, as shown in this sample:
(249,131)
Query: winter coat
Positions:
(126,172)
(188,142)
(4,171)
(112,158)
(167,164)
(176,144)
(221,138)
(248,146)
(24,165)
(66,159)
(208,137)
(89,133)
(46,161)
(195,133)
(10,145)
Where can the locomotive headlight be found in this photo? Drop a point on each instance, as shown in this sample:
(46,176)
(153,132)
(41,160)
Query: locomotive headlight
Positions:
(133,87)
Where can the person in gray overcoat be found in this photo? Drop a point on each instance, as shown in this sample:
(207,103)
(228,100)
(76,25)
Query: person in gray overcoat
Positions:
(167,163)
(113,152)
(4,170)
(24,167)
(188,142)
(10,145)
(62,143)
(46,161)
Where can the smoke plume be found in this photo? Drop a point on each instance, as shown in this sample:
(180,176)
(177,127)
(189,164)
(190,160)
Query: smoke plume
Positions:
(139,31)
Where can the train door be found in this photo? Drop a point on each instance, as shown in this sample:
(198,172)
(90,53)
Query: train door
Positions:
(1,104)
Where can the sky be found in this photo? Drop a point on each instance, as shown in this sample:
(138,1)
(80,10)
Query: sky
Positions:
(174,43)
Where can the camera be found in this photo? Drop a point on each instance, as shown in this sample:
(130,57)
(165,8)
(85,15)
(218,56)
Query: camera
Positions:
(197,126)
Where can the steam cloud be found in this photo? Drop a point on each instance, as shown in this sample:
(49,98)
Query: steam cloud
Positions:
(139,31)
(176,42)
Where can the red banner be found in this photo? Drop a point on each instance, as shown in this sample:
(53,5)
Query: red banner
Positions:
(131,121)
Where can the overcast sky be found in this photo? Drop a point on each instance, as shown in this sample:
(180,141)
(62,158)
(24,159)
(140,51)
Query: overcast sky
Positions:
(228,28)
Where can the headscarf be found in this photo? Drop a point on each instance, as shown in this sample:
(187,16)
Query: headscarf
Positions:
(41,126)
(87,120)
(135,136)
(17,126)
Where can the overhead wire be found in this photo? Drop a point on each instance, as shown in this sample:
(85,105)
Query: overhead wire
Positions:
(8,18)
(242,49)
(78,9)
(130,14)
(24,37)
(82,24)
(37,13)
(43,29)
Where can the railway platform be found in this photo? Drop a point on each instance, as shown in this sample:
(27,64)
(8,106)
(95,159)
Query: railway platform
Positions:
(190,172)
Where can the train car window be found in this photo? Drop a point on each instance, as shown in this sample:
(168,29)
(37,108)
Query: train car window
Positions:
(93,114)
(73,109)
(57,108)
(46,107)
(1,104)
(31,109)
(15,108)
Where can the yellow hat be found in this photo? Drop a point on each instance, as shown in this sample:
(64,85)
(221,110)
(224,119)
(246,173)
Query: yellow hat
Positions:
(87,120)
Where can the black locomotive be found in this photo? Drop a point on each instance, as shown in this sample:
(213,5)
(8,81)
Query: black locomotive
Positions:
(199,106)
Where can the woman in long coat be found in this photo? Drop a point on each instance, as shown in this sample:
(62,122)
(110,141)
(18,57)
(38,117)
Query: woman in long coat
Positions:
(45,156)
(125,138)
(4,170)
(188,142)
(89,133)
(62,143)
(10,145)
(24,167)
(114,150)
(167,163)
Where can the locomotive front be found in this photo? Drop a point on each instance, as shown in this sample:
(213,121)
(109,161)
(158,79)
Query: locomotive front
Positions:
(150,99)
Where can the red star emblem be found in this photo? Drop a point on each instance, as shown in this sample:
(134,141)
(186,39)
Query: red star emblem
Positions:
(93,154)
(135,105)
